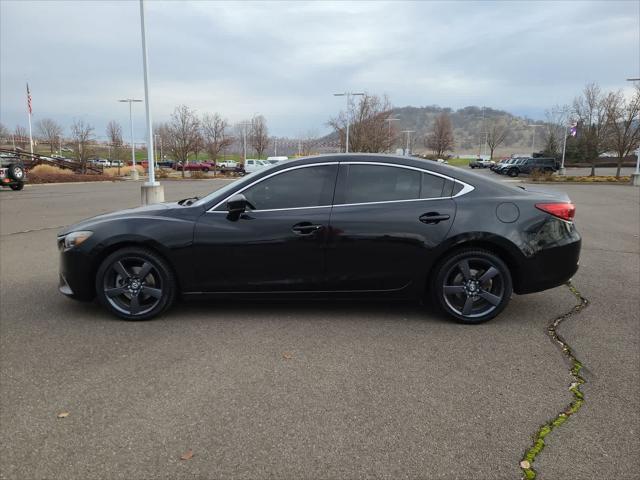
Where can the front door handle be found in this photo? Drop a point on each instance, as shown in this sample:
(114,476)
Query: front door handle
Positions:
(433,217)
(306,228)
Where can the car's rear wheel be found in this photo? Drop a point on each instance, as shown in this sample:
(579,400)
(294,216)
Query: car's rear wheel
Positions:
(472,285)
(17,186)
(513,172)
(135,284)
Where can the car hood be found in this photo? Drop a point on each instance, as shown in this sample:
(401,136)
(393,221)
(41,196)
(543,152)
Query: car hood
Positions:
(147,210)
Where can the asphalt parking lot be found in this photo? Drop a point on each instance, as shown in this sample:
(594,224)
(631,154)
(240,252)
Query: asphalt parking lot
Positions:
(311,390)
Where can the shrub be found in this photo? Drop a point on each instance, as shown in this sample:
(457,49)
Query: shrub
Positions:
(49,169)
(198,174)
(113,171)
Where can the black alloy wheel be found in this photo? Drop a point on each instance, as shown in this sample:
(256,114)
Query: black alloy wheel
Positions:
(135,284)
(472,285)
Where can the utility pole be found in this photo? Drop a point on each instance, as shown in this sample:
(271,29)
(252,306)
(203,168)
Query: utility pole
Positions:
(348,95)
(408,132)
(389,120)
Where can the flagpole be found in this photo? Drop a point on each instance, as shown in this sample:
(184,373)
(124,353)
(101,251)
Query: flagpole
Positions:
(29,111)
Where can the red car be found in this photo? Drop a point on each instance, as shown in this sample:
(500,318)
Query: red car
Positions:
(189,167)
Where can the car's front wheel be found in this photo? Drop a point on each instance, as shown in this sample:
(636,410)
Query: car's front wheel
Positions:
(17,186)
(513,172)
(472,285)
(135,284)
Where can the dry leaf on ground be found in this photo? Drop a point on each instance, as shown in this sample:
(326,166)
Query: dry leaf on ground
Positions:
(287,355)
(63,414)
(188,455)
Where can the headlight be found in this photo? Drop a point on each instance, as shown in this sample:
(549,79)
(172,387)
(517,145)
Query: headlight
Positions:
(76,238)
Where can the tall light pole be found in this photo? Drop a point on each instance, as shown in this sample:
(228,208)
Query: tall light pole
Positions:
(635,176)
(533,137)
(244,140)
(348,95)
(152,191)
(134,172)
(389,120)
(408,132)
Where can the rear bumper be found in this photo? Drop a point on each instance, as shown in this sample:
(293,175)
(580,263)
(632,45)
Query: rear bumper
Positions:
(548,268)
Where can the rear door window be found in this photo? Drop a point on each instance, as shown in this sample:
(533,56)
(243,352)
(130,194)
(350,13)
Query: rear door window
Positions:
(378,183)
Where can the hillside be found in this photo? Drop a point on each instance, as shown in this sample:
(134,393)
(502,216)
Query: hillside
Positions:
(467,126)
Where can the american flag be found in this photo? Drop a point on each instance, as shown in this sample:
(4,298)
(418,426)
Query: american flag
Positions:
(29,99)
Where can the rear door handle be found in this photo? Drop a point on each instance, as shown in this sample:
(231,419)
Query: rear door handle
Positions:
(433,217)
(306,228)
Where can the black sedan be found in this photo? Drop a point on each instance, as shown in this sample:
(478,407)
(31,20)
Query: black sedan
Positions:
(331,226)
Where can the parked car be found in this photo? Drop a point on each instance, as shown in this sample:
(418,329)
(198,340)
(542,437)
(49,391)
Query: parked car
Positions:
(502,168)
(274,160)
(100,162)
(529,165)
(12,172)
(336,225)
(481,163)
(193,167)
(251,165)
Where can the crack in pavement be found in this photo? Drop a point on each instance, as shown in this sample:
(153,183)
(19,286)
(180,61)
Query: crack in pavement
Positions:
(32,230)
(526,464)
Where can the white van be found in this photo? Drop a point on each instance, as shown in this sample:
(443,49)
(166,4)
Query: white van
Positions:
(273,160)
(252,164)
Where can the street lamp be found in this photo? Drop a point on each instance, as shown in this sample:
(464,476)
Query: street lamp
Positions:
(134,172)
(389,120)
(408,132)
(152,191)
(635,176)
(348,95)
(244,140)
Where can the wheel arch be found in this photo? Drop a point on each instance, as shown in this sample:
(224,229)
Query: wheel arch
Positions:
(146,243)
(500,246)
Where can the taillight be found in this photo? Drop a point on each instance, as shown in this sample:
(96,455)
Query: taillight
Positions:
(565,211)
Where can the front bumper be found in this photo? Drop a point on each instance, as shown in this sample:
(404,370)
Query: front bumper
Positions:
(76,275)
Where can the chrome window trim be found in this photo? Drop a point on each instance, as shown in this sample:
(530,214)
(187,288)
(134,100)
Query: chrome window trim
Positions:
(466,188)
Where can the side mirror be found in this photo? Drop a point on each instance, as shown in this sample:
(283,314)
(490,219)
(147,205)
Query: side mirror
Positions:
(237,204)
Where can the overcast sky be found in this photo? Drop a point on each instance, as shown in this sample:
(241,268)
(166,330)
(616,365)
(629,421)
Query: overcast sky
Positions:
(284,60)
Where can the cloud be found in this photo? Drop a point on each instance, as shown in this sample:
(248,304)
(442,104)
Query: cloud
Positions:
(285,59)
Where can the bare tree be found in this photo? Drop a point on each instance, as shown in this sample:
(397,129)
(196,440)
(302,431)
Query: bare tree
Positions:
(21,137)
(214,134)
(4,134)
(114,134)
(368,129)
(623,124)
(554,129)
(259,135)
(440,140)
(183,131)
(497,132)
(307,142)
(49,132)
(591,111)
(82,136)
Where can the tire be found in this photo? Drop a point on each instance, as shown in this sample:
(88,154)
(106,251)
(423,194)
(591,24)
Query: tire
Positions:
(205,170)
(16,172)
(120,279)
(461,292)
(17,186)
(513,172)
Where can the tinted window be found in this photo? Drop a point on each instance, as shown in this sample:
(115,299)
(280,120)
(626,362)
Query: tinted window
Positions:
(373,183)
(303,187)
(431,186)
